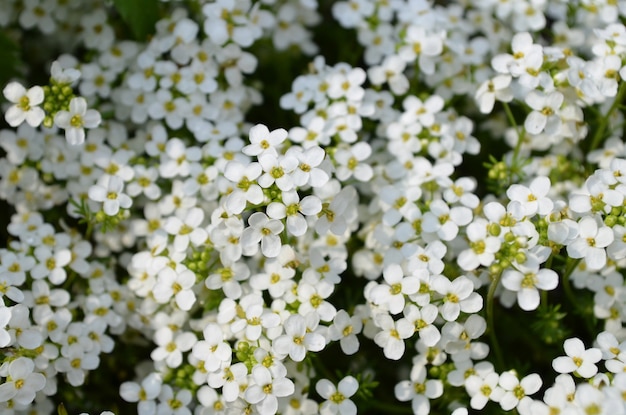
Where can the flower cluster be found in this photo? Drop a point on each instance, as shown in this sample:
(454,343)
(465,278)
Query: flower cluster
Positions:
(463,175)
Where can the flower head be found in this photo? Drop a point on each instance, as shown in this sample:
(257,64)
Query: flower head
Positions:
(25,105)
(337,398)
(76,120)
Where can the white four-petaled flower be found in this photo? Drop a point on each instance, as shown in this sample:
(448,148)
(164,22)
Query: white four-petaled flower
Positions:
(337,398)
(76,120)
(25,105)
(109,191)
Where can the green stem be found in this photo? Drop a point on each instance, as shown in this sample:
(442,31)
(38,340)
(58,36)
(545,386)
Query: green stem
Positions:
(604,121)
(89,230)
(544,294)
(490,320)
(569,293)
(509,115)
(520,134)
(567,287)
(544,299)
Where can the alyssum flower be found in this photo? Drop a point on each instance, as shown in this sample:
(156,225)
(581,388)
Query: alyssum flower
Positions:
(25,105)
(76,120)
(108,190)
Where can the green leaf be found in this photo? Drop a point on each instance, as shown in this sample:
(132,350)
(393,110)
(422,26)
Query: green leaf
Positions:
(10,58)
(140,16)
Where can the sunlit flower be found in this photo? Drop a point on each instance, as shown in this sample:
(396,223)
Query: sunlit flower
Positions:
(25,105)
(337,398)
(109,191)
(76,120)
(579,360)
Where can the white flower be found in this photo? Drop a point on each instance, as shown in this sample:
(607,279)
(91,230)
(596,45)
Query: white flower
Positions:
(483,387)
(230,378)
(422,111)
(324,270)
(313,300)
(337,398)
(51,264)
(461,191)
(544,117)
(463,369)
(526,281)
(558,397)
(265,230)
(590,243)
(491,90)
(578,360)
(345,329)
(391,294)
(297,340)
(266,389)
(210,400)
(398,202)
(459,338)
(213,350)
(186,229)
(445,221)
(108,190)
(392,71)
(263,141)
(419,390)
(422,44)
(38,15)
(277,169)
(145,394)
(171,346)
(63,72)
(5,317)
(524,51)
(175,283)
(308,171)
(590,399)
(144,182)
(25,106)
(76,120)
(277,277)
(534,198)
(396,243)
(350,162)
(458,295)
(255,319)
(165,105)
(174,403)
(23,333)
(517,389)
(597,196)
(293,208)
(228,279)
(423,320)
(347,84)
(392,336)
(352,13)
(246,189)
(75,362)
(22,383)
(428,257)
(177,158)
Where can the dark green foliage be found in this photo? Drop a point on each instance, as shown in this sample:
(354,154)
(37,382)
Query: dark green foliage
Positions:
(12,65)
(139,15)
